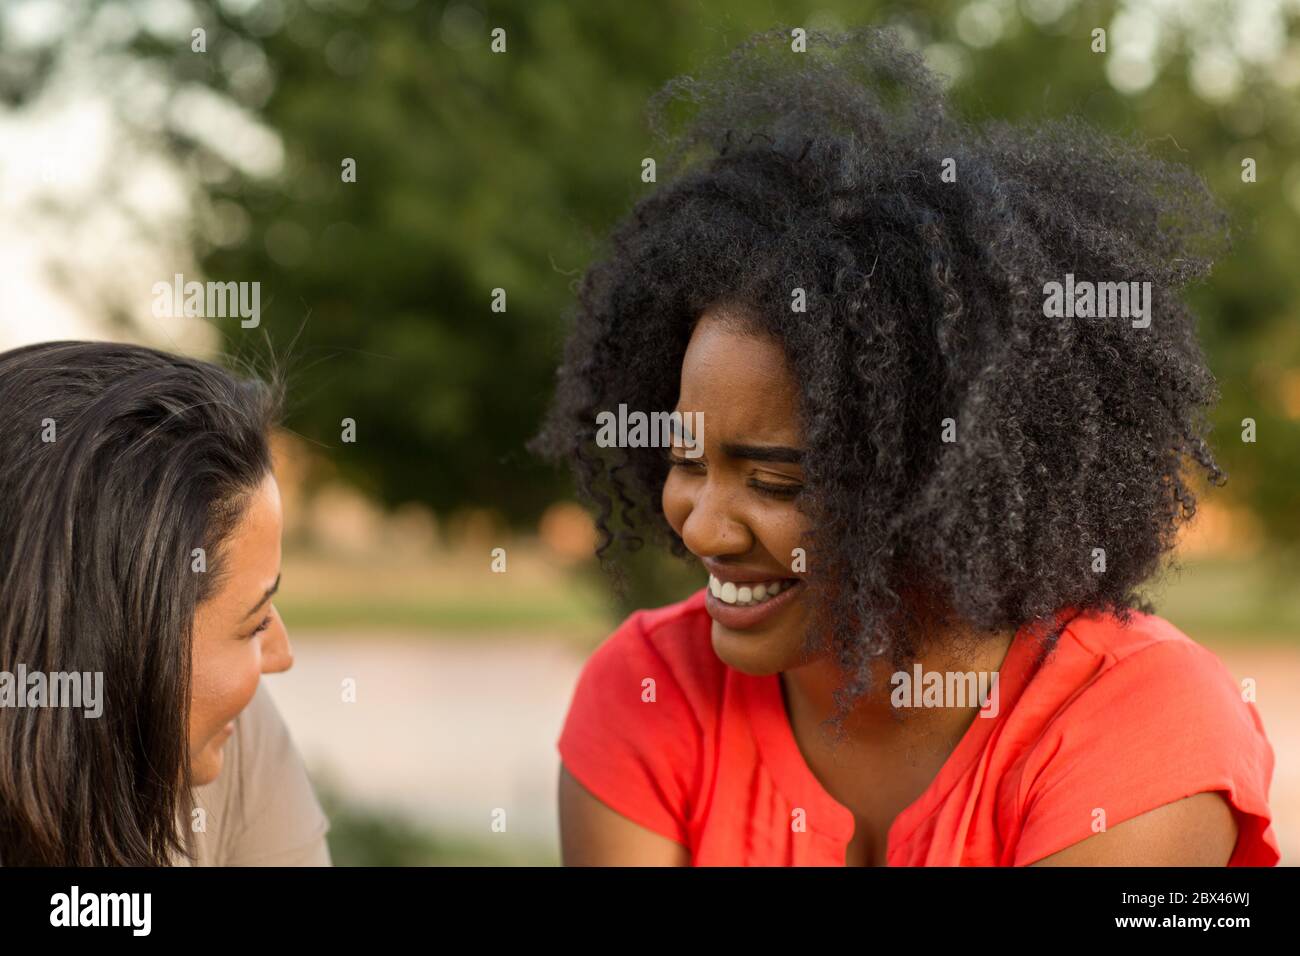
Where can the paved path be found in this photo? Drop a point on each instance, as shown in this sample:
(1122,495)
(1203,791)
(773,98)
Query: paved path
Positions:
(444,731)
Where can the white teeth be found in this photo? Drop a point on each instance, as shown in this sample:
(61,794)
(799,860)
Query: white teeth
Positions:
(746,595)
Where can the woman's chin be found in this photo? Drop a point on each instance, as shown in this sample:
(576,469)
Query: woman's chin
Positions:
(750,652)
(206,766)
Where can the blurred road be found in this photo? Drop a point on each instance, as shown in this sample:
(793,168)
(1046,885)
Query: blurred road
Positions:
(444,731)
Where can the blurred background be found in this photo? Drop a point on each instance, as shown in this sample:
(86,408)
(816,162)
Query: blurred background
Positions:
(140,139)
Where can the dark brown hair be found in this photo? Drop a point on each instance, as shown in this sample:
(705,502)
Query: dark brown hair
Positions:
(153,455)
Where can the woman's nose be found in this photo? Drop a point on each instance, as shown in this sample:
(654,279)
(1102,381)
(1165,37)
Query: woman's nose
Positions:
(713,529)
(277,652)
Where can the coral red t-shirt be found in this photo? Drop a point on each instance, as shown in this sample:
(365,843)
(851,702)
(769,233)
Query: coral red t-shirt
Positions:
(1118,719)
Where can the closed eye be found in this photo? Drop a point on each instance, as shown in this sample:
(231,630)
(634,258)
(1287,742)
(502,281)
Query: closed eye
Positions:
(262,626)
(677,461)
(782,492)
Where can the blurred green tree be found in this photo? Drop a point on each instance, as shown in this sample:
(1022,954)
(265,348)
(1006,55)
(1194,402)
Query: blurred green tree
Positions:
(477,171)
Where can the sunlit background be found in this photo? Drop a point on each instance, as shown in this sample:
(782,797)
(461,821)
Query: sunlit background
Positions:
(129,155)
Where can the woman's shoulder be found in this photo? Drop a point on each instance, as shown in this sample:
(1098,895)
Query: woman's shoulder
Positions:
(1126,716)
(661,648)
(642,707)
(1101,654)
(261,809)
(1107,675)
(654,684)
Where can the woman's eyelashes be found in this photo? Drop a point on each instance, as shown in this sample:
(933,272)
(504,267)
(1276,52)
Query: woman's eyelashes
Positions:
(679,461)
(783,491)
(265,623)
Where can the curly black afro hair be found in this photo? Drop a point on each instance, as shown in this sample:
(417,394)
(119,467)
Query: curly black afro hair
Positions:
(925,301)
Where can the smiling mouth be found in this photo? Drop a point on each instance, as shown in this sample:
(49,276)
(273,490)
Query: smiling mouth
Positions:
(748,595)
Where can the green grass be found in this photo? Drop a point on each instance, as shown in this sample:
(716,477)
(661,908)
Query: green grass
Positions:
(365,836)
(1220,600)
(450,616)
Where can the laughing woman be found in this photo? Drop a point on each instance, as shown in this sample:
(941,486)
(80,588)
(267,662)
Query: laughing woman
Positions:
(139,554)
(913,482)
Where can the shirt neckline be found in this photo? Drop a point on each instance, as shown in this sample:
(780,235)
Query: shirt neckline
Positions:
(793,777)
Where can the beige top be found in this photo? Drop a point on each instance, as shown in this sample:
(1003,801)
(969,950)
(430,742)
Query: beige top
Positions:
(261,810)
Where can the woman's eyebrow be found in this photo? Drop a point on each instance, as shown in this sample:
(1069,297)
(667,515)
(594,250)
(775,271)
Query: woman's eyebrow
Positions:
(265,597)
(775,453)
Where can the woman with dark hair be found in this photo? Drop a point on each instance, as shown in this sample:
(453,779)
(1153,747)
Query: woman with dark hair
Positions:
(139,552)
(924,493)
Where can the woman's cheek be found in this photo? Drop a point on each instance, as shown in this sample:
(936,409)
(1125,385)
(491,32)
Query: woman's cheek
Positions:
(787,540)
(231,681)
(244,678)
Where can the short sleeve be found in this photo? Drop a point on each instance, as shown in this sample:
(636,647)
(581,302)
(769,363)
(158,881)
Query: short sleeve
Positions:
(1165,723)
(273,816)
(630,736)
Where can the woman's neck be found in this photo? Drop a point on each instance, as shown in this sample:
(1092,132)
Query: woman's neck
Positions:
(809,690)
